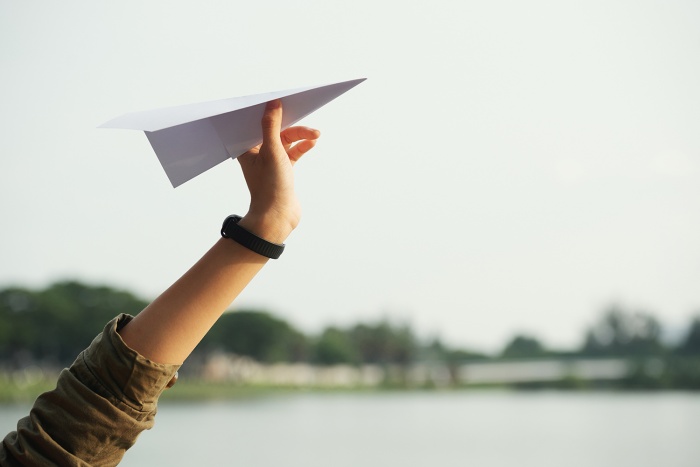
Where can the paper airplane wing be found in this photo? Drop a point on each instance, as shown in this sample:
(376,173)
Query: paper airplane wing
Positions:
(191,139)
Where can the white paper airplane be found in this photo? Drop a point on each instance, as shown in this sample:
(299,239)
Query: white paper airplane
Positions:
(190,139)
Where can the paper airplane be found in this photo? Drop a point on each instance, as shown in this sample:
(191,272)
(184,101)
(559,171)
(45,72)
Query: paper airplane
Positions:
(190,139)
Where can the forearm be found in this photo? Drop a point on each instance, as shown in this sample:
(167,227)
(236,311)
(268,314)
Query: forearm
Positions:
(171,327)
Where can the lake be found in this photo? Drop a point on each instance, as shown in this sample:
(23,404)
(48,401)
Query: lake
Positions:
(461,428)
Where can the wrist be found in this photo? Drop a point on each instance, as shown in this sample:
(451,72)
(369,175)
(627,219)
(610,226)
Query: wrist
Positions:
(269,226)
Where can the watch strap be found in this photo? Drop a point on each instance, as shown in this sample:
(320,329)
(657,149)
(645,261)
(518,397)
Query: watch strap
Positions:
(231,229)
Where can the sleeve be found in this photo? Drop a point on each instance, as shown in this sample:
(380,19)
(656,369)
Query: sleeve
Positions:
(99,407)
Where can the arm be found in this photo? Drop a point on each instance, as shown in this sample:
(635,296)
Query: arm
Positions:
(170,328)
(109,394)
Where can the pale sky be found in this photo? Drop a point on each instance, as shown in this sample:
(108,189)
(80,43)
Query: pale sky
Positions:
(507,166)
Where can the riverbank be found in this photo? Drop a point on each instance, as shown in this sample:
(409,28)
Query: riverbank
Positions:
(12,392)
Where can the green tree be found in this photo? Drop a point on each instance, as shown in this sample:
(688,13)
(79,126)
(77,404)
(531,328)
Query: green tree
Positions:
(384,343)
(623,333)
(436,350)
(691,343)
(335,346)
(258,335)
(522,346)
(58,322)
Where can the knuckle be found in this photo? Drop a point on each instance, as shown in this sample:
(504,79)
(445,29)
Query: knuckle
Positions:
(268,121)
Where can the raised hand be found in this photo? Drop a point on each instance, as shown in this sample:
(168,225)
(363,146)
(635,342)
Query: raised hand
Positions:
(274,208)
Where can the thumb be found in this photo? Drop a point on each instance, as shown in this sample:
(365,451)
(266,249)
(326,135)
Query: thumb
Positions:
(272,122)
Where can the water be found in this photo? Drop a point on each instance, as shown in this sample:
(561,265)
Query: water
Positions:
(420,429)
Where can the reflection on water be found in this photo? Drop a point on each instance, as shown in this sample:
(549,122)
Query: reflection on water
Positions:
(420,429)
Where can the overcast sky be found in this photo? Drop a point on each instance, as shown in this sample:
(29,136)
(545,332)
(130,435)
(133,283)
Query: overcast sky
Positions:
(507,166)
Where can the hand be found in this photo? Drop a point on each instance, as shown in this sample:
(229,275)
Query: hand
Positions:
(274,208)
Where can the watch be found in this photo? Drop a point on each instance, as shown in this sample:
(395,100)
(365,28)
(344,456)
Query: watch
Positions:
(235,232)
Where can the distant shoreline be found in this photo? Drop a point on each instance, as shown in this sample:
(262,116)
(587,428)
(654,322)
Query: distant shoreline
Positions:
(198,390)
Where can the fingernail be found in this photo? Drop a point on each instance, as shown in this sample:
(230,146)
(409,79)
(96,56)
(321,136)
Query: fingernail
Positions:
(273,104)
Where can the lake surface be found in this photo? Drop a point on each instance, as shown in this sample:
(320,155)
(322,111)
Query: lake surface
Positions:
(409,429)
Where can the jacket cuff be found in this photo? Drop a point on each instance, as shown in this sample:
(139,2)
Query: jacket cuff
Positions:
(123,372)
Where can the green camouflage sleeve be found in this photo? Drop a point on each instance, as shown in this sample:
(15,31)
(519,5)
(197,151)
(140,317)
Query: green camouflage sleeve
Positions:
(99,407)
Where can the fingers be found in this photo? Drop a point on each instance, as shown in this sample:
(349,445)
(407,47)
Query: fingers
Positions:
(296,140)
(301,148)
(272,122)
(298,133)
(304,137)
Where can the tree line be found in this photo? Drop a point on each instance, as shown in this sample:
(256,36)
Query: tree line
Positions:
(50,326)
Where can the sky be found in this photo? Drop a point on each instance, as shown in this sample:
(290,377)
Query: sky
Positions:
(508,167)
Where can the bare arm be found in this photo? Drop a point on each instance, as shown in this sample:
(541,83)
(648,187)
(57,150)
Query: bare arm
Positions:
(109,394)
(171,327)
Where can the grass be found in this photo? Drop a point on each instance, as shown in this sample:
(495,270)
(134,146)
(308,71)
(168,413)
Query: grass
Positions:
(14,389)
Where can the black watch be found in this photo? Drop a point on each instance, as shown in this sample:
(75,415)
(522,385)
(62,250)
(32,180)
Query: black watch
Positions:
(235,232)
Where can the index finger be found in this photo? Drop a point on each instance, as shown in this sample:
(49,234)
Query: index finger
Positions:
(297,133)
